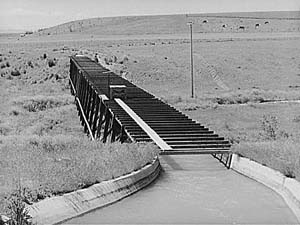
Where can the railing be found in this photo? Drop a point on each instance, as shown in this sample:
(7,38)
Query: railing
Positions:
(96,117)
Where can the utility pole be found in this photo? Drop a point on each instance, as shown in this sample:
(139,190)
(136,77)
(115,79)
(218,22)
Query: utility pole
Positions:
(192,63)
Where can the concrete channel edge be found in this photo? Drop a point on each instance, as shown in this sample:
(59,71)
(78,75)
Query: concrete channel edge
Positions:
(288,188)
(61,208)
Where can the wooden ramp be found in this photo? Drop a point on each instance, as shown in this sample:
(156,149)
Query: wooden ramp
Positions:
(113,108)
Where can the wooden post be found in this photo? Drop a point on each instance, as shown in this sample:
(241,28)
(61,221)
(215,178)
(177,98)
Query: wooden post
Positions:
(106,126)
(102,115)
(113,129)
(92,109)
(192,64)
(96,117)
(88,105)
(86,97)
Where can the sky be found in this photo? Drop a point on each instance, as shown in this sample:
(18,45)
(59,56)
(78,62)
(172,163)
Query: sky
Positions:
(35,14)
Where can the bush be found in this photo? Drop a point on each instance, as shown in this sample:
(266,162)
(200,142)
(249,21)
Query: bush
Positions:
(17,211)
(15,73)
(29,63)
(4,130)
(41,103)
(51,62)
(269,125)
(124,60)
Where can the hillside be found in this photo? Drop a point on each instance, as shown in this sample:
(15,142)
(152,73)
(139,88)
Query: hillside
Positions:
(172,24)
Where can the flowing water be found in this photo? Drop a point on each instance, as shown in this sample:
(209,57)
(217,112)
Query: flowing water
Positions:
(196,189)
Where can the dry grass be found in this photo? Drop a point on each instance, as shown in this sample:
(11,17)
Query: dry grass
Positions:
(282,155)
(59,164)
(41,103)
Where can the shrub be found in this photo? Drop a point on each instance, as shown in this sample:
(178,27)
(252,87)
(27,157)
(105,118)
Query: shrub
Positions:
(2,65)
(29,63)
(41,103)
(269,125)
(124,60)
(297,119)
(14,112)
(114,59)
(15,73)
(51,62)
(4,130)
(44,56)
(17,211)
(7,64)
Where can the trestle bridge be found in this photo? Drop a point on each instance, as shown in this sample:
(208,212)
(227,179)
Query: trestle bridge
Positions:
(113,109)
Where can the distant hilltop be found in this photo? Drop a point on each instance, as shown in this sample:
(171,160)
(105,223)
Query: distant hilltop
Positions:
(172,24)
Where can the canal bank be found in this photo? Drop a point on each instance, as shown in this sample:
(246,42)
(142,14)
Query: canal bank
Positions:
(57,209)
(196,189)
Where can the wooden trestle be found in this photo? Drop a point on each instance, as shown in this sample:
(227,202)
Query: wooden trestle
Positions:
(139,117)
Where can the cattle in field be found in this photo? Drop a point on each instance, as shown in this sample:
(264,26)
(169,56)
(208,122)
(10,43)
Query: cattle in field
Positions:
(257,25)
(241,27)
(224,25)
(204,21)
(267,22)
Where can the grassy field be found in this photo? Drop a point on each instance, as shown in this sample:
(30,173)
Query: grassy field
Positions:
(43,148)
(235,72)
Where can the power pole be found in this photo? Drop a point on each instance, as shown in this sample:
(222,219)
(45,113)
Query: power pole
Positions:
(192,63)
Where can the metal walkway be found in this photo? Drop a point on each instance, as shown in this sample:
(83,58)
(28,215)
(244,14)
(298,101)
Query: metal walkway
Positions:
(139,116)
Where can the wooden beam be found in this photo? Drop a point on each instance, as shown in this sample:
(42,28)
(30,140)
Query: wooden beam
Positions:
(152,134)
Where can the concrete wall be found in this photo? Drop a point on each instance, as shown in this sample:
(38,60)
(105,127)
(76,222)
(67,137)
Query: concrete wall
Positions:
(288,188)
(60,208)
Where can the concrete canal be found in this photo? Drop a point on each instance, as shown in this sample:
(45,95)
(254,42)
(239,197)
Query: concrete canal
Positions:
(196,189)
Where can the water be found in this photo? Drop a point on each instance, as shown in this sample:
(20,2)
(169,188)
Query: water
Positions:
(196,189)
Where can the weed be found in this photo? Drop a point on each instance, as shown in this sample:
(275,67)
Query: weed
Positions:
(269,125)
(18,213)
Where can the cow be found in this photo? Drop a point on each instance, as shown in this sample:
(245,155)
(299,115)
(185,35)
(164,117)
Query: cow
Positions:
(257,25)
(204,21)
(267,22)
(242,27)
(224,25)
